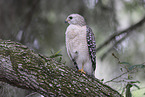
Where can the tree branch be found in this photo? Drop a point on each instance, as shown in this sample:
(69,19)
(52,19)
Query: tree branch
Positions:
(112,47)
(127,31)
(21,67)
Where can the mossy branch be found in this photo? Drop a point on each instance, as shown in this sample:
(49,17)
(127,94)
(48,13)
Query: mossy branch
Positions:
(21,67)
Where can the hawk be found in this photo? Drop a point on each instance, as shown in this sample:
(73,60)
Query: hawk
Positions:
(80,44)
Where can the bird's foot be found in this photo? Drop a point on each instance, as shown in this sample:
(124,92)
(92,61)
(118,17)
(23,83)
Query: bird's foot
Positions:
(82,71)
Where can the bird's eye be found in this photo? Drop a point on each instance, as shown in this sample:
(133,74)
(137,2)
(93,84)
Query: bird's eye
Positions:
(70,17)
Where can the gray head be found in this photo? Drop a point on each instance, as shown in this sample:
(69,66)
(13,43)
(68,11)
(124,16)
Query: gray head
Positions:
(76,19)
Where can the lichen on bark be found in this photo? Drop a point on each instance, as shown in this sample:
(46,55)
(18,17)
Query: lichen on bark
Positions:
(23,68)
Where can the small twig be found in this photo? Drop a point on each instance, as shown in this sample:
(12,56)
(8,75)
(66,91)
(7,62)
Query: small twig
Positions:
(116,57)
(120,62)
(116,77)
(119,76)
(124,80)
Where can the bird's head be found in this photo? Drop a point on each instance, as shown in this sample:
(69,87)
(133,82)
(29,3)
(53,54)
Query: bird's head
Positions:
(75,19)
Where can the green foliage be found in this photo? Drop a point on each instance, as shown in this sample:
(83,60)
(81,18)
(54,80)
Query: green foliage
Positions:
(57,55)
(130,69)
(137,66)
(125,63)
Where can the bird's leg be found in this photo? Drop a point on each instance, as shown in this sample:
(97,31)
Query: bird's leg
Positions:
(82,70)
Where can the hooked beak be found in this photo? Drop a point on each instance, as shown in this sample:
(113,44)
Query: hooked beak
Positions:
(66,21)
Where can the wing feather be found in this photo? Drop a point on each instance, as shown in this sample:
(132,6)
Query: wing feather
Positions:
(91,46)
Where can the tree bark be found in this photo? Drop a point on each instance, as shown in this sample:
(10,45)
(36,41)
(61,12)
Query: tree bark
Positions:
(21,67)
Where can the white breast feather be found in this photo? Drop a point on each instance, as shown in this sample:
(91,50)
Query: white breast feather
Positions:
(76,42)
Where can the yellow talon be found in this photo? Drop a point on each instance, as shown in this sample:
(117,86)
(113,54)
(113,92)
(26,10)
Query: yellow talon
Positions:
(82,71)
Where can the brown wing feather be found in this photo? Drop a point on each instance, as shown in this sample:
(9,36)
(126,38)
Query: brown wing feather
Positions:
(91,46)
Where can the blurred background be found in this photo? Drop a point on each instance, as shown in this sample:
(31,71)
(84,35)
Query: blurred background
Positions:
(39,24)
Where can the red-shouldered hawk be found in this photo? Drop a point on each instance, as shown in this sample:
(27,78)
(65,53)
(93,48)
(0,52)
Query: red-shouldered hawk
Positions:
(80,44)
